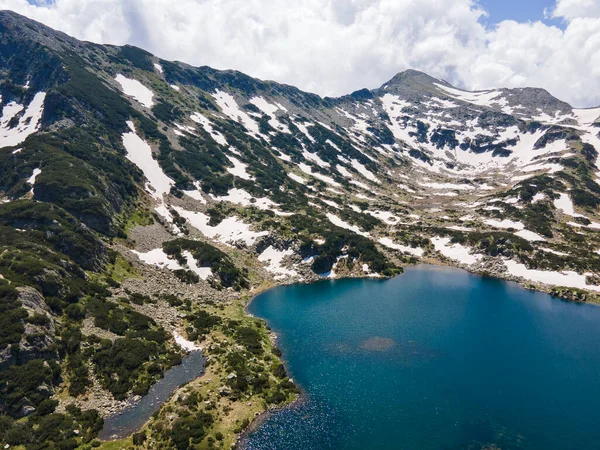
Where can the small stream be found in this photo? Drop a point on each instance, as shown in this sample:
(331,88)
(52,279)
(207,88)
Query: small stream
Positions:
(133,418)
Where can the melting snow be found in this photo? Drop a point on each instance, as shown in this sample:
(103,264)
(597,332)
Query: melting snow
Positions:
(304,129)
(297,178)
(31,179)
(565,278)
(244,198)
(564,204)
(230,229)
(269,110)
(404,248)
(140,153)
(307,170)
(315,158)
(506,223)
(448,186)
(175,87)
(549,250)
(207,125)
(34,175)
(364,171)
(274,258)
(340,223)
(231,109)
(137,90)
(158,67)
(538,197)
(587,116)
(529,235)
(456,252)
(159,258)
(28,124)
(185,345)
(238,169)
(385,216)
(202,272)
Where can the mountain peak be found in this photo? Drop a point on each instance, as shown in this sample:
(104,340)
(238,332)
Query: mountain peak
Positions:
(409,83)
(411,77)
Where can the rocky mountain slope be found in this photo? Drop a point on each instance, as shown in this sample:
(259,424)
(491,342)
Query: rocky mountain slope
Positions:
(142,198)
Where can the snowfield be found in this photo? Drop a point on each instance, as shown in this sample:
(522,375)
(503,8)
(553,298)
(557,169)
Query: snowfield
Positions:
(230,108)
(565,204)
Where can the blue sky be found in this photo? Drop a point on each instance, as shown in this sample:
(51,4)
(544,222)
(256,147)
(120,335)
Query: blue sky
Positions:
(519,10)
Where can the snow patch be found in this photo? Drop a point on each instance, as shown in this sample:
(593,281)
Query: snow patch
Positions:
(387,242)
(307,170)
(565,278)
(34,175)
(342,224)
(364,171)
(274,258)
(202,272)
(456,252)
(207,125)
(231,109)
(28,123)
(140,153)
(159,258)
(270,110)
(185,345)
(137,90)
(297,178)
(238,169)
(230,229)
(565,204)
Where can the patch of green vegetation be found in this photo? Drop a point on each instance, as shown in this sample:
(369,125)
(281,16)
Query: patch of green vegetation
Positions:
(131,364)
(338,242)
(11,315)
(201,323)
(118,268)
(136,56)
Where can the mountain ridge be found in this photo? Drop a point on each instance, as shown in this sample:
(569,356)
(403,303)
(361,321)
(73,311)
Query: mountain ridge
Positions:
(143,200)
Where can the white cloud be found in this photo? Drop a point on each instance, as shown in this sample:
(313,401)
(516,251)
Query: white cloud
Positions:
(333,47)
(572,9)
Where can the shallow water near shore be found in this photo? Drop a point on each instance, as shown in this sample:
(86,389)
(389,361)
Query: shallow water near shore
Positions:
(133,418)
(436,358)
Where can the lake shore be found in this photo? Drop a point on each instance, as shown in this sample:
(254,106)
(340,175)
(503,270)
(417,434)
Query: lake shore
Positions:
(257,420)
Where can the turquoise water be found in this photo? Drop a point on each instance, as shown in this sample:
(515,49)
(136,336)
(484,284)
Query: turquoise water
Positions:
(436,358)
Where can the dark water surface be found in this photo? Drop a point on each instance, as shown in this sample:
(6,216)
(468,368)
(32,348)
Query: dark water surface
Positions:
(132,419)
(436,358)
